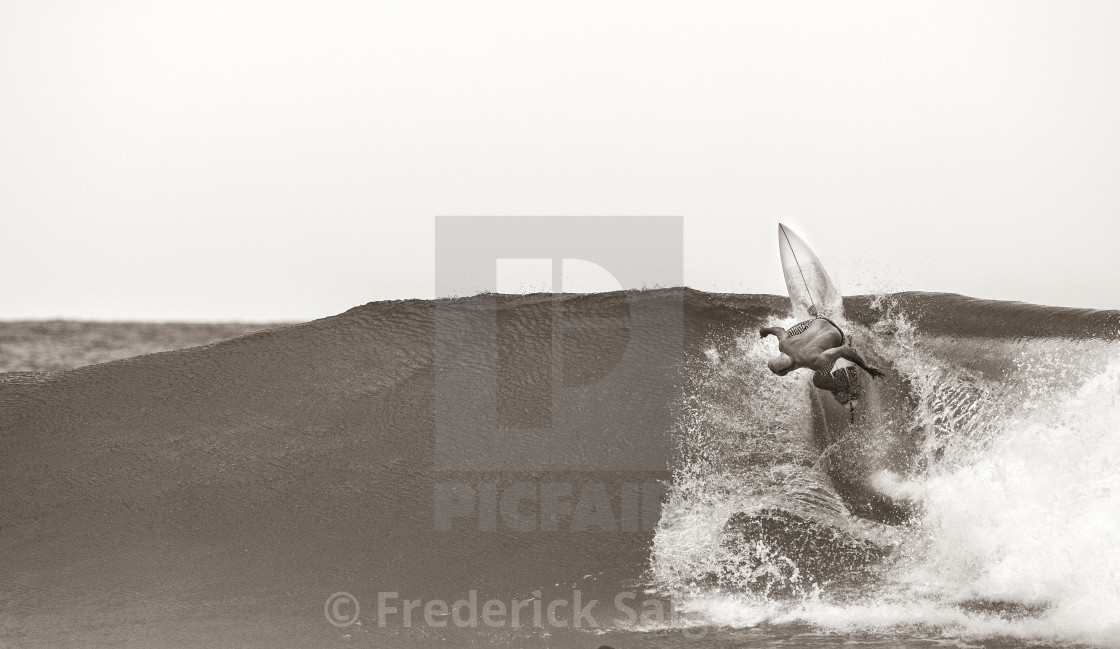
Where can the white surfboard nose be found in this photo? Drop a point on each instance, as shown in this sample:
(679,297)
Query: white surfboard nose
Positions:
(810,290)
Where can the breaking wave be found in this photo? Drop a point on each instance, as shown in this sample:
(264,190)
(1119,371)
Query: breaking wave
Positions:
(1016,477)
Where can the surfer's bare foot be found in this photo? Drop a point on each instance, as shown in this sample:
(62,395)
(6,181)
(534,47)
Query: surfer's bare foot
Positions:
(877,373)
(763,332)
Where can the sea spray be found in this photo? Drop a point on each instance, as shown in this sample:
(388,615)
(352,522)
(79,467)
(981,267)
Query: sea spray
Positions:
(1017,475)
(746,445)
(1033,519)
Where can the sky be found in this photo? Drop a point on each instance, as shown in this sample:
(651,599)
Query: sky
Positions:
(262,161)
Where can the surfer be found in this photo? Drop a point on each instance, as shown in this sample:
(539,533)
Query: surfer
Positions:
(820,345)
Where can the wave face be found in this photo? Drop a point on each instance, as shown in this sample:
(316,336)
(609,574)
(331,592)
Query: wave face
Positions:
(1014,471)
(219,494)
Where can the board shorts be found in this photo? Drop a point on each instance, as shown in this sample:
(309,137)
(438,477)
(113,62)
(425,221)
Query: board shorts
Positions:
(800,328)
(848,378)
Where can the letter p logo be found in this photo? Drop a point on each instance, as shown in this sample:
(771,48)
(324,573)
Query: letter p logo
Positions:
(568,377)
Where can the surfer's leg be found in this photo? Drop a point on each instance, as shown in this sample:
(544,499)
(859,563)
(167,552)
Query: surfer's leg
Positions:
(849,395)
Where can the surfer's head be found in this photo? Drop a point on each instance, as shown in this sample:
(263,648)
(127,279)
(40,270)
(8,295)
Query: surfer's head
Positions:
(780,364)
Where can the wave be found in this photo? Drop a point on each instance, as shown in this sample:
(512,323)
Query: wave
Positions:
(249,479)
(1012,431)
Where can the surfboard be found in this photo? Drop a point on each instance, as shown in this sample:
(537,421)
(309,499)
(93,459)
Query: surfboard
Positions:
(859,441)
(807,283)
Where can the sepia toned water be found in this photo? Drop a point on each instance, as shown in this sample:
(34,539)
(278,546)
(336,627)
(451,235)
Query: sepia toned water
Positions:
(226,495)
(1017,477)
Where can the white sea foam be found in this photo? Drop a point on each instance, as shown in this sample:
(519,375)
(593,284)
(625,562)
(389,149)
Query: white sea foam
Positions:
(1018,478)
(1035,518)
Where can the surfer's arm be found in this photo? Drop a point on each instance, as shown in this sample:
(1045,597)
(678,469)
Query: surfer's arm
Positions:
(852,355)
(777,332)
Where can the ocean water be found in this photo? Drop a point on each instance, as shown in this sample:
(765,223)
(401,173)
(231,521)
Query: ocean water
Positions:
(222,495)
(1016,477)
